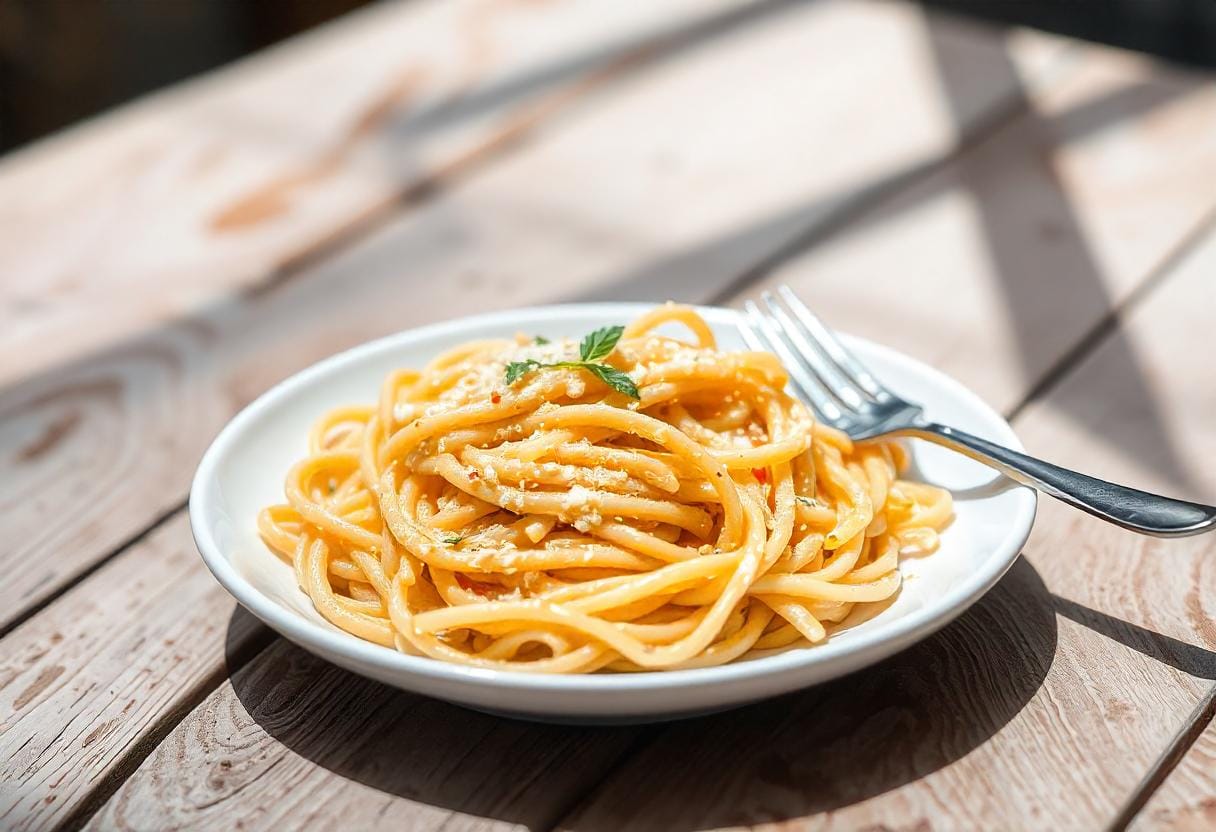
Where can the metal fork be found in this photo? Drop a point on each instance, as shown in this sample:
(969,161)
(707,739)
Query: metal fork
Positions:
(847,396)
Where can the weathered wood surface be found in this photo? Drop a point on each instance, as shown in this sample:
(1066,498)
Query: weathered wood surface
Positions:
(1187,798)
(120,431)
(346,753)
(1059,690)
(1038,230)
(227,183)
(138,644)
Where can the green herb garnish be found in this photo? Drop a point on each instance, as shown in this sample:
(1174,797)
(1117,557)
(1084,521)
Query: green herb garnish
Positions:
(540,340)
(598,344)
(614,378)
(516,369)
(452,539)
(591,349)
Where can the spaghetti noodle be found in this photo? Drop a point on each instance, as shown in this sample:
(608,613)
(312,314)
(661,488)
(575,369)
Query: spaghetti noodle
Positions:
(653,504)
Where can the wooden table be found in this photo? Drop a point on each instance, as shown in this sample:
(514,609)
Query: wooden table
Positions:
(1033,215)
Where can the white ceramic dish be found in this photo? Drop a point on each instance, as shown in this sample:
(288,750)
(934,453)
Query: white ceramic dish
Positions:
(244,468)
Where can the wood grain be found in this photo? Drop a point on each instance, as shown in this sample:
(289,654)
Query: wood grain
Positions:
(83,684)
(1039,230)
(293,742)
(1042,707)
(1186,801)
(521,232)
(224,184)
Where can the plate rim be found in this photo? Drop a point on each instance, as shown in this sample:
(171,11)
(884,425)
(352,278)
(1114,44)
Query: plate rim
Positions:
(865,649)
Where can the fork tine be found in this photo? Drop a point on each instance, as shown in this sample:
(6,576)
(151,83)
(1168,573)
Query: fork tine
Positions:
(806,383)
(812,358)
(849,366)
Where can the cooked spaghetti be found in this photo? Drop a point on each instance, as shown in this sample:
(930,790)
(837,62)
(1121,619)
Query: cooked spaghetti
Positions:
(631,502)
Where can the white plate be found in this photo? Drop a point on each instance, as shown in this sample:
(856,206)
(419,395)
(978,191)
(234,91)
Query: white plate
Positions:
(244,469)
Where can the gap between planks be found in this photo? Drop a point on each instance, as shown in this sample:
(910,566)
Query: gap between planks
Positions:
(145,744)
(1189,734)
(83,575)
(1110,322)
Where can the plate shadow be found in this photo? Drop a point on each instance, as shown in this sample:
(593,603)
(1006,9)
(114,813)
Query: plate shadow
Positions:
(804,753)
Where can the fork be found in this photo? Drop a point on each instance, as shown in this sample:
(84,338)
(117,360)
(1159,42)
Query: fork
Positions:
(846,396)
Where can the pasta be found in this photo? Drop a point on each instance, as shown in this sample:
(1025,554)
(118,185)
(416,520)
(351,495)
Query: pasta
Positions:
(630,502)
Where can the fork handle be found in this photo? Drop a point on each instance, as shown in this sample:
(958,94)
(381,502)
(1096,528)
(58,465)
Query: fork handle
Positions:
(1139,511)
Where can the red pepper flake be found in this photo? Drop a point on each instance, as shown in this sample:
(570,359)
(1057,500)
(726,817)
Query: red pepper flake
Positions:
(495,398)
(469,585)
(473,475)
(760,474)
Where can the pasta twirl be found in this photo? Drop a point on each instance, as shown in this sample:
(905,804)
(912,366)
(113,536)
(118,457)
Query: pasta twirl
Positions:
(632,502)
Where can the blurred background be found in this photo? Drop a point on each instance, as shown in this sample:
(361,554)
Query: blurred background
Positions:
(64,60)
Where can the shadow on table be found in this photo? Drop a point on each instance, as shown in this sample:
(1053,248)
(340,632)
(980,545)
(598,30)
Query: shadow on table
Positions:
(808,752)
(1059,300)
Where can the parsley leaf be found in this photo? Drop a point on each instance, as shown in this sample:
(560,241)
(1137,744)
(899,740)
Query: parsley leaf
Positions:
(593,347)
(598,344)
(516,369)
(540,340)
(452,539)
(614,378)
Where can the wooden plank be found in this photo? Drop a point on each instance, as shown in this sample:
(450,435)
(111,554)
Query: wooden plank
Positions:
(86,685)
(225,183)
(990,665)
(139,643)
(403,760)
(1187,798)
(1038,230)
(1045,704)
(120,430)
